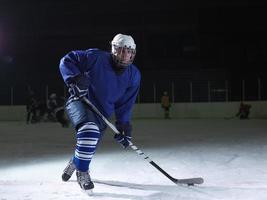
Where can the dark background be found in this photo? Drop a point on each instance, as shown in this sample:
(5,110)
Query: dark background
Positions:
(176,40)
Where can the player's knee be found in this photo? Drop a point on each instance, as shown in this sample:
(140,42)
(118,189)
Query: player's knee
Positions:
(88,127)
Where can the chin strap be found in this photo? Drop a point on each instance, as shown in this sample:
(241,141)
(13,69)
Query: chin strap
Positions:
(118,69)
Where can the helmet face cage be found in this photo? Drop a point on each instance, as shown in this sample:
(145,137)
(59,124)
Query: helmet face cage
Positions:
(123,56)
(123,50)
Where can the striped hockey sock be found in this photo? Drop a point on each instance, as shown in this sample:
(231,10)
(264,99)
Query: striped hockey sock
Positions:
(87,138)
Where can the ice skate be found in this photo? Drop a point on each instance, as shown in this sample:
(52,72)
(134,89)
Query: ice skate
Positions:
(84,180)
(68,171)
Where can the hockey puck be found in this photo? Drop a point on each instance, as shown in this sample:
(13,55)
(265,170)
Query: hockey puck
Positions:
(190,184)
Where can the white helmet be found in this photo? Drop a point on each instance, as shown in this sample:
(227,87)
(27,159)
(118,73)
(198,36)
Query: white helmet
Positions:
(123,50)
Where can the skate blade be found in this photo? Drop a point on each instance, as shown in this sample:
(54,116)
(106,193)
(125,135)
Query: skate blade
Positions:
(88,192)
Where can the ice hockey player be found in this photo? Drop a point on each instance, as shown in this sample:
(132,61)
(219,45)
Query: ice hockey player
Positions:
(111,82)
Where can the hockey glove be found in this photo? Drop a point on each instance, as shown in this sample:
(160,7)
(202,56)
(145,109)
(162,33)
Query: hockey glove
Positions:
(125,135)
(79,88)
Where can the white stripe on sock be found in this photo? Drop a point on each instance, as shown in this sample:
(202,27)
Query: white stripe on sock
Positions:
(88,126)
(84,152)
(84,156)
(88,130)
(86,142)
(86,146)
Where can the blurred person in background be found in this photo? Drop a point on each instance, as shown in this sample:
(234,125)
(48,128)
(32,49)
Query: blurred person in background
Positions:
(165,104)
(244,111)
(31,106)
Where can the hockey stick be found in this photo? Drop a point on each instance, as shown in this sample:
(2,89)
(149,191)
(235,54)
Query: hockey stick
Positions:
(189,181)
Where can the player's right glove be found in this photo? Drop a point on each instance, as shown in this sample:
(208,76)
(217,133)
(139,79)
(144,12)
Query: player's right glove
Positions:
(125,135)
(79,88)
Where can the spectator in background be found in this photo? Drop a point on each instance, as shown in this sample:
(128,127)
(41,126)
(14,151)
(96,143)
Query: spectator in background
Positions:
(60,112)
(55,110)
(31,106)
(41,110)
(51,106)
(244,111)
(165,104)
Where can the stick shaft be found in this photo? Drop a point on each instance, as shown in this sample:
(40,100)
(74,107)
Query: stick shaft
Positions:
(135,148)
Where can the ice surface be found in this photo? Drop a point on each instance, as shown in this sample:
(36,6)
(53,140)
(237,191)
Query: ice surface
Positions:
(231,156)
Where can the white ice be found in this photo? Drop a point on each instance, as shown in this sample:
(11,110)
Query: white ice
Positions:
(231,156)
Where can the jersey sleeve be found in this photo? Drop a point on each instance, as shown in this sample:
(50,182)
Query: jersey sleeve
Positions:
(72,65)
(123,107)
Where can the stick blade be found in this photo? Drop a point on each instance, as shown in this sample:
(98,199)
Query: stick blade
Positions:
(190,181)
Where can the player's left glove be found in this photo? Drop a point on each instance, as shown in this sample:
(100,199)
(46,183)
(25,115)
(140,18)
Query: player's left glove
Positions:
(79,87)
(125,135)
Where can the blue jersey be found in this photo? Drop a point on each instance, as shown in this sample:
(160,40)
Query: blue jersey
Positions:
(108,91)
